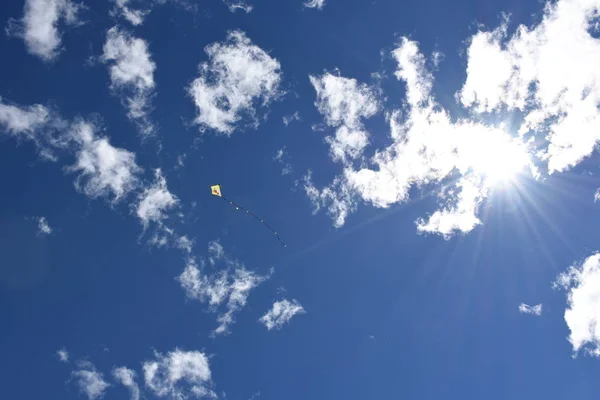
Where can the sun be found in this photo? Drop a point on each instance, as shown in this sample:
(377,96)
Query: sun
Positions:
(503,168)
(499,158)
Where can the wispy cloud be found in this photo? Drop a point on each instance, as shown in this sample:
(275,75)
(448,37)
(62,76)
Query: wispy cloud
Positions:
(235,5)
(39,27)
(318,4)
(229,287)
(215,252)
(131,75)
(134,16)
(238,76)
(36,123)
(532,310)
(91,383)
(288,119)
(126,377)
(582,283)
(43,227)
(63,355)
(179,373)
(281,313)
(281,157)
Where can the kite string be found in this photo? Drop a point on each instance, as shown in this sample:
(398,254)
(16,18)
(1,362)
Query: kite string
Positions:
(256,217)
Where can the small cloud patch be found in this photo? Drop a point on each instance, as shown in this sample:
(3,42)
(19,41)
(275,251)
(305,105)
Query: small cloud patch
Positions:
(531,310)
(281,313)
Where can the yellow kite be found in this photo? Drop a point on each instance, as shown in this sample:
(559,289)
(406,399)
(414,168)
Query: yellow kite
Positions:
(216,190)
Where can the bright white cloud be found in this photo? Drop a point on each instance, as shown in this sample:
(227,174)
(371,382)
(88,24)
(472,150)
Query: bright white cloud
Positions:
(126,377)
(238,76)
(281,313)
(318,4)
(229,287)
(43,227)
(39,27)
(104,170)
(179,375)
(132,74)
(597,195)
(522,72)
(90,382)
(582,283)
(461,217)
(428,148)
(532,310)
(344,103)
(63,355)
(155,201)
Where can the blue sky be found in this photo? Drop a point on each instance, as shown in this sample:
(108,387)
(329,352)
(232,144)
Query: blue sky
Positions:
(431,166)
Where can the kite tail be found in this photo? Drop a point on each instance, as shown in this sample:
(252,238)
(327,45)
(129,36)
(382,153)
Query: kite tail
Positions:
(238,207)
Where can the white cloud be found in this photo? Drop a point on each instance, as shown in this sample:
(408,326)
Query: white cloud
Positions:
(63,355)
(215,251)
(522,72)
(39,25)
(90,382)
(23,120)
(288,119)
(461,217)
(338,197)
(241,283)
(532,310)
(281,313)
(43,227)
(36,123)
(318,4)
(179,375)
(135,17)
(344,103)
(597,195)
(103,169)
(428,148)
(155,200)
(237,76)
(230,286)
(281,157)
(126,377)
(235,5)
(186,244)
(131,73)
(582,282)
